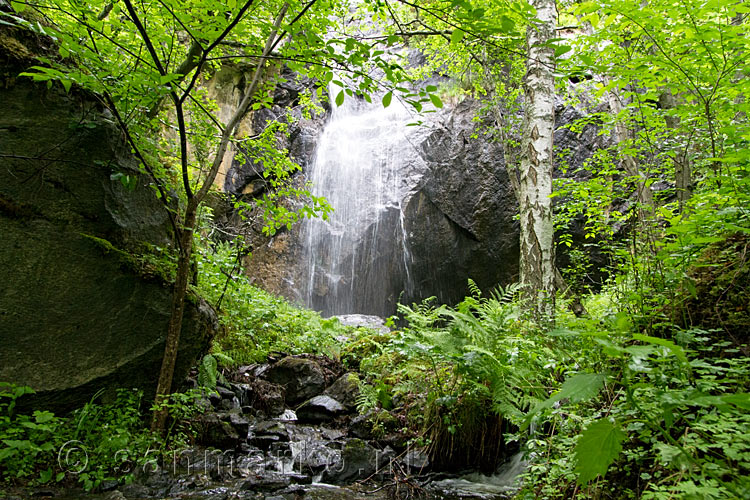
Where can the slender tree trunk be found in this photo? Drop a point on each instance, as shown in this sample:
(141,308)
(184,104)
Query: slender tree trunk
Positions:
(174,328)
(537,261)
(623,135)
(185,232)
(683,172)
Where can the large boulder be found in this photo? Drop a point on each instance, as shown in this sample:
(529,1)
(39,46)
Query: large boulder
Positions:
(81,308)
(301,378)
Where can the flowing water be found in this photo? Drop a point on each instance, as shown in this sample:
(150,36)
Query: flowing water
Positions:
(358,260)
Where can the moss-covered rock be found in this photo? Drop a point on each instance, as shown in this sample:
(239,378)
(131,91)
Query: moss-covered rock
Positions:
(721,290)
(80,308)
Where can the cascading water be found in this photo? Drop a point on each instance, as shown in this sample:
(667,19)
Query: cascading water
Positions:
(357,261)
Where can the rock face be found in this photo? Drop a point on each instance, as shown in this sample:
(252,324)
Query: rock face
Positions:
(448,215)
(78,310)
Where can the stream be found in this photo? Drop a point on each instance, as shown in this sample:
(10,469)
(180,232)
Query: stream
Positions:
(289,429)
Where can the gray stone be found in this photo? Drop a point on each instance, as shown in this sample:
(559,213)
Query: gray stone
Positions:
(301,378)
(320,409)
(223,431)
(358,462)
(345,390)
(79,310)
(269,481)
(416,459)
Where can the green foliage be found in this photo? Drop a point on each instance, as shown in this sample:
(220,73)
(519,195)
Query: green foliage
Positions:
(27,439)
(95,443)
(255,322)
(598,446)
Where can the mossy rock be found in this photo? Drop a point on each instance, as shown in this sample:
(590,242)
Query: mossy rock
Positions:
(721,290)
(81,307)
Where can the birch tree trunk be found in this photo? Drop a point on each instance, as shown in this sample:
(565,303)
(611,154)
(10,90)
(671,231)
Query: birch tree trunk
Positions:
(537,263)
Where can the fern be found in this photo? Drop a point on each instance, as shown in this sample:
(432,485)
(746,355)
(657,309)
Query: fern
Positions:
(367,399)
(208,372)
(474,289)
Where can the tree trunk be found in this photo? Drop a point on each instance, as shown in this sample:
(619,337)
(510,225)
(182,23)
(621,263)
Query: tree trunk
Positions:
(164,387)
(537,261)
(623,135)
(683,172)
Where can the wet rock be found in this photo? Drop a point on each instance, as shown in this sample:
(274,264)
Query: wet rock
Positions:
(266,433)
(135,490)
(225,393)
(396,440)
(416,460)
(301,378)
(229,404)
(358,461)
(361,426)
(269,481)
(320,409)
(345,390)
(262,396)
(223,431)
(114,495)
(109,485)
(373,322)
(80,312)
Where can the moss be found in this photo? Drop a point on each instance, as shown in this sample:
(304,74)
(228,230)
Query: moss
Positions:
(150,264)
(16,210)
(721,278)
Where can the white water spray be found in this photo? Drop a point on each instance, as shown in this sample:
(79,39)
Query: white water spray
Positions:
(357,260)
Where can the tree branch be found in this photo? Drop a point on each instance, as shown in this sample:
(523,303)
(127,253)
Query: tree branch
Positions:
(241,109)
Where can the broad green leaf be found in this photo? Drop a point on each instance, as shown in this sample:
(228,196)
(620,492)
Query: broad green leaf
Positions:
(577,388)
(436,101)
(43,416)
(676,350)
(340,98)
(599,445)
(457,36)
(387,99)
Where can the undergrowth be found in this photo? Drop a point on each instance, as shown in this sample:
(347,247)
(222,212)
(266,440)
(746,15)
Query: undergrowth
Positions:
(96,443)
(256,323)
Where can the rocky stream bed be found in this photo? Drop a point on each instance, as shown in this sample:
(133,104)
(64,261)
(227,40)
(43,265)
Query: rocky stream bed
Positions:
(289,429)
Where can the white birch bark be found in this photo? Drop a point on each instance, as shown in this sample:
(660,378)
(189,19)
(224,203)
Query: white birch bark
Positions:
(537,263)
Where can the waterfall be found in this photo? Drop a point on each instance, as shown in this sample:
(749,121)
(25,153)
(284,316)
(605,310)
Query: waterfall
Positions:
(358,260)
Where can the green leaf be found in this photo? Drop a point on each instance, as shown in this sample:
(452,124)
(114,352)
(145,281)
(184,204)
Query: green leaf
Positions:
(676,350)
(436,101)
(340,98)
(599,445)
(740,400)
(43,416)
(579,387)
(387,99)
(45,476)
(562,49)
(457,36)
